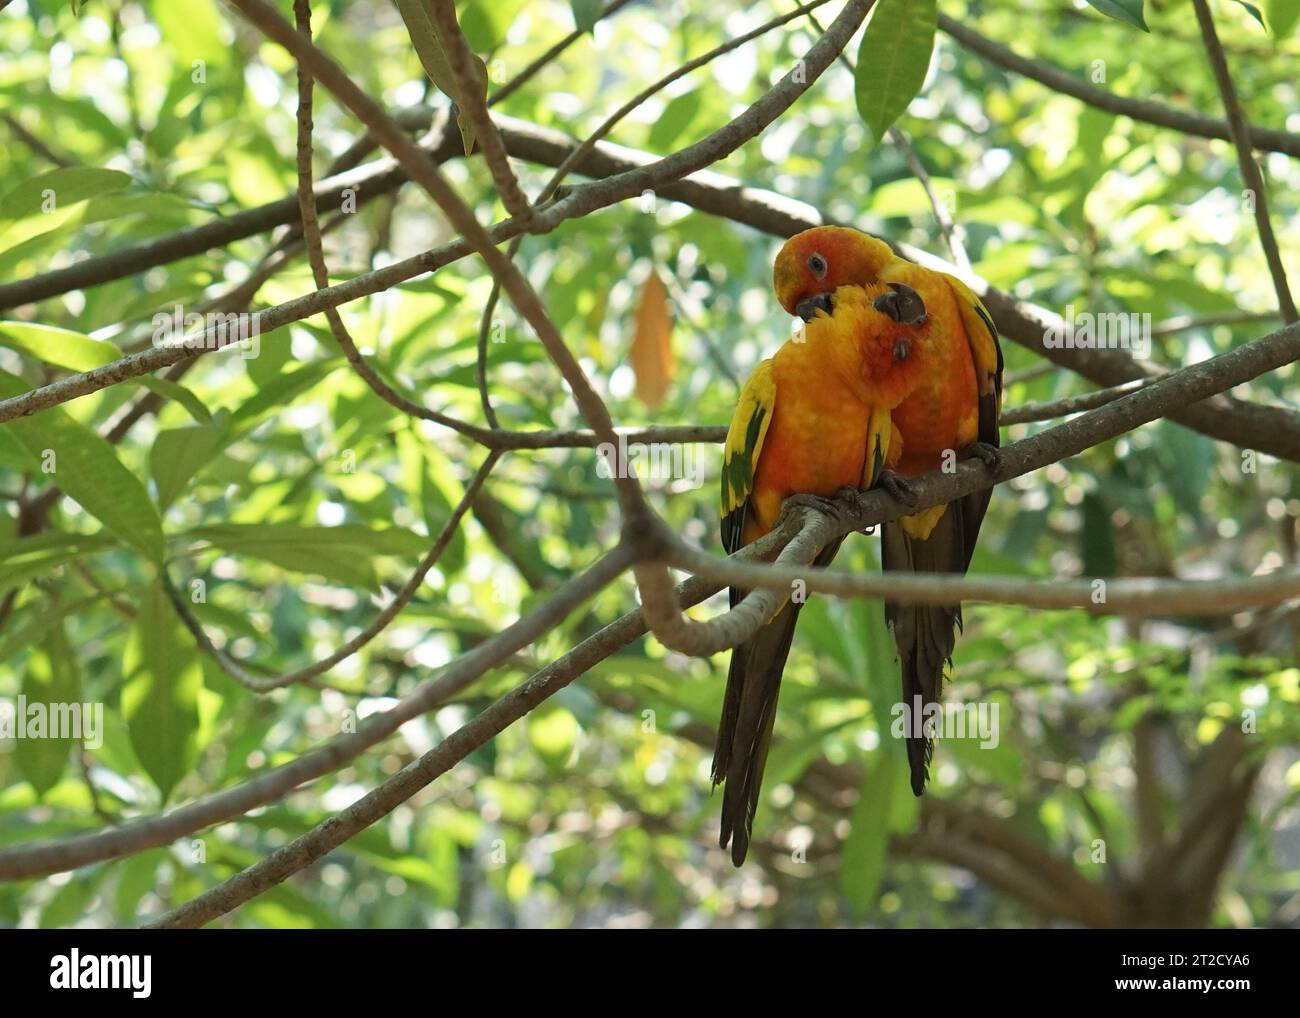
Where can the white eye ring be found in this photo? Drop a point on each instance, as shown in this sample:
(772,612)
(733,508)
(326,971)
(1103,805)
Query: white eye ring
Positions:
(817,264)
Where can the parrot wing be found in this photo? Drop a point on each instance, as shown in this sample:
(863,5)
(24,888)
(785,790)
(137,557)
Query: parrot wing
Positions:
(754,677)
(926,634)
(749,425)
(749,704)
(986,354)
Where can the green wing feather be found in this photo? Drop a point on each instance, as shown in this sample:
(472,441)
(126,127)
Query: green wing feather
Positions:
(745,436)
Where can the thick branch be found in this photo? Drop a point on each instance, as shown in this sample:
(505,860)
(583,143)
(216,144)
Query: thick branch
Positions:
(1272,430)
(1069,439)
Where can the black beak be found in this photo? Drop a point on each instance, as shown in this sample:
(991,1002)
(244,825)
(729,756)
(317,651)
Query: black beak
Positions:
(902,304)
(809,306)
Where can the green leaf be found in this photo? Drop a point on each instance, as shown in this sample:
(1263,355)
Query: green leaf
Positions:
(1253,11)
(160,697)
(37,555)
(52,678)
(486,22)
(69,903)
(193,31)
(675,119)
(88,471)
(340,553)
(279,393)
(178,454)
(1282,16)
(1098,538)
(586,13)
(867,845)
(61,347)
(1127,11)
(175,391)
(433,57)
(892,60)
(137,876)
(42,204)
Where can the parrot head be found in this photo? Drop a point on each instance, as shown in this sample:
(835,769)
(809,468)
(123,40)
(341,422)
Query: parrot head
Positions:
(878,340)
(813,264)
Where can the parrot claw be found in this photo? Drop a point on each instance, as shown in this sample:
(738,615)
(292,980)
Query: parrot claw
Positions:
(897,488)
(850,498)
(989,455)
(822,505)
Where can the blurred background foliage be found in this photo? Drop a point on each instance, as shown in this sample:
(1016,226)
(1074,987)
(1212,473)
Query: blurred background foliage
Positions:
(299,498)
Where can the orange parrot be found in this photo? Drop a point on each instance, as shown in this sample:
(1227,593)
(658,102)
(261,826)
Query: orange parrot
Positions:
(812,420)
(952,413)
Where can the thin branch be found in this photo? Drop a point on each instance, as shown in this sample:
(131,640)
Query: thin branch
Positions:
(1184,323)
(1250,173)
(527,74)
(1146,111)
(311,235)
(34,143)
(1269,429)
(1052,409)
(473,104)
(583,150)
(42,858)
(83,765)
(819,529)
(239,671)
(952,232)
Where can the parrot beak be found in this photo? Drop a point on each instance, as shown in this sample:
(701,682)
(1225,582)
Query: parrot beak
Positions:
(902,304)
(808,307)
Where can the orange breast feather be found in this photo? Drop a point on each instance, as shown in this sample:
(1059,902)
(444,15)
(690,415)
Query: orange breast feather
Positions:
(943,413)
(816,443)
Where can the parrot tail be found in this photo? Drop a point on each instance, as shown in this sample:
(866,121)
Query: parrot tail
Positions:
(924,634)
(745,729)
(748,712)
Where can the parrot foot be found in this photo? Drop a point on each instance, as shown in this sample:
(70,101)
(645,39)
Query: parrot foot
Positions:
(897,487)
(849,499)
(822,505)
(989,455)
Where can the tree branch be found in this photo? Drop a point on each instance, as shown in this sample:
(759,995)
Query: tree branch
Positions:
(817,530)
(1138,109)
(473,104)
(1250,174)
(42,858)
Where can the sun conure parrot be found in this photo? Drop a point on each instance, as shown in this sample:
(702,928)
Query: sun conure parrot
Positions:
(952,413)
(812,420)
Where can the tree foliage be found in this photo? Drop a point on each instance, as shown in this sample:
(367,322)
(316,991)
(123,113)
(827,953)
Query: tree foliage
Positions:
(1146,770)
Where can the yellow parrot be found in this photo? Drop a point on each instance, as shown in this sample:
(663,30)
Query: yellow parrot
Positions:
(952,413)
(812,420)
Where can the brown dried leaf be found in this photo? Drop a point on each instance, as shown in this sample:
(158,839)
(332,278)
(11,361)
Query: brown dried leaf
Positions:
(652,352)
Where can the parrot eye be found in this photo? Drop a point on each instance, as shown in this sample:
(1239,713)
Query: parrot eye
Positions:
(901,349)
(817,264)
